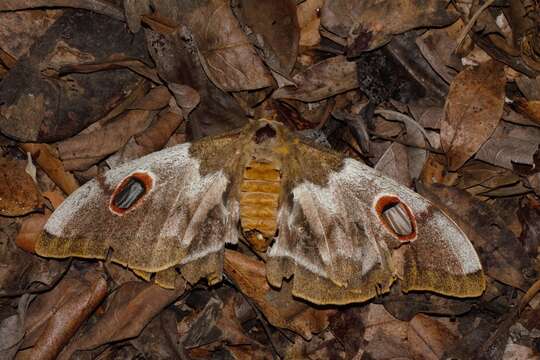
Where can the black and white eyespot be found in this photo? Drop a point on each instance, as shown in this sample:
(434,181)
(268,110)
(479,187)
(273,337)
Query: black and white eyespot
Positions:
(131,192)
(396,216)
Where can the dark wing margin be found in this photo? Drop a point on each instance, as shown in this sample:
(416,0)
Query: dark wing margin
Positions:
(185,218)
(336,248)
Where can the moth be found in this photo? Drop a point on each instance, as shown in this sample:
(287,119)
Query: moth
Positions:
(340,231)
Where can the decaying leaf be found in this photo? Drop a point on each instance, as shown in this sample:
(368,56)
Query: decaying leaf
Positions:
(369,24)
(309,21)
(322,80)
(272,26)
(84,150)
(19,194)
(55,317)
(227,56)
(131,307)
(429,337)
(472,111)
(279,307)
(510,144)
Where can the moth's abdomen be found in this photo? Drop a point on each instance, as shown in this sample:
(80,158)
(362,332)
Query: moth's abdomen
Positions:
(260,190)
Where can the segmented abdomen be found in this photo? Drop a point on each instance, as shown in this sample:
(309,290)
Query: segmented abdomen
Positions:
(260,190)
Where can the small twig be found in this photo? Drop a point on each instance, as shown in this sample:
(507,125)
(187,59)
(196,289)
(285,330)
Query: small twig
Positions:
(471,23)
(41,289)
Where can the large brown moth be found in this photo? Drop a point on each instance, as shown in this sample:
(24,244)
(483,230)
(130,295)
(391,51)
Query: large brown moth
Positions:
(336,228)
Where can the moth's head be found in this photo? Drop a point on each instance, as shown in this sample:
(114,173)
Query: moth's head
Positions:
(267,130)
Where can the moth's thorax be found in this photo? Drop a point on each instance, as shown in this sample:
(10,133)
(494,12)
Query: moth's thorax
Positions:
(260,189)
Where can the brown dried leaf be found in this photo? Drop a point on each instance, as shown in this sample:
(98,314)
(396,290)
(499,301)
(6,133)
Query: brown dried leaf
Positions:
(430,337)
(131,307)
(137,66)
(322,80)
(227,56)
(30,232)
(279,307)
(150,140)
(157,98)
(274,31)
(185,96)
(369,24)
(54,317)
(19,194)
(472,111)
(438,45)
(82,151)
(39,106)
(53,167)
(531,108)
(309,21)
(178,62)
(214,325)
(20,29)
(386,336)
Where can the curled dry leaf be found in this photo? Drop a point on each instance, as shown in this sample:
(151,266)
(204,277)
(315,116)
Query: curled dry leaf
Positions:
(227,56)
(131,307)
(19,194)
(157,98)
(369,24)
(54,317)
(473,109)
(186,97)
(82,151)
(30,232)
(274,31)
(322,80)
(279,307)
(53,167)
(137,66)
